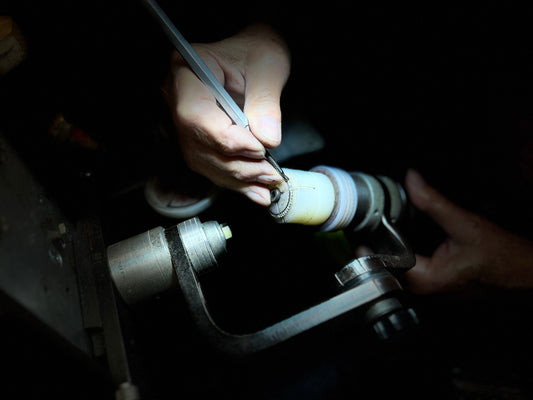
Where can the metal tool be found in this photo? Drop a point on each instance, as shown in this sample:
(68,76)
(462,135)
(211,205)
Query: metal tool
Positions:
(204,74)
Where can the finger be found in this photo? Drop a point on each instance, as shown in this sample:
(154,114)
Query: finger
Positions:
(254,190)
(267,70)
(229,172)
(257,193)
(457,223)
(198,113)
(419,278)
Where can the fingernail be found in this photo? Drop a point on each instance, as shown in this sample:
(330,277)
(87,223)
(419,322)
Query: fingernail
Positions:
(269,128)
(253,154)
(416,180)
(257,198)
(269,179)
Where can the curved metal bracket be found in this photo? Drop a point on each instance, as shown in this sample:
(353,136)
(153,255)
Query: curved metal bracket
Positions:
(378,285)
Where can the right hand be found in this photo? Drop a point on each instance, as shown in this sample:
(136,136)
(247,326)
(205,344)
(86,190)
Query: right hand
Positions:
(253,66)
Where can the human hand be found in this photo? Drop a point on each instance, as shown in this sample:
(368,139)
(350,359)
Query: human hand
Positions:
(476,249)
(253,66)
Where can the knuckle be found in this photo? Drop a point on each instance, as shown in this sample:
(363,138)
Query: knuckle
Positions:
(266,96)
(227,145)
(238,173)
(186,113)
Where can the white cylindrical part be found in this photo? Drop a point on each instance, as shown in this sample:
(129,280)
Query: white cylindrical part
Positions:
(345,198)
(306,198)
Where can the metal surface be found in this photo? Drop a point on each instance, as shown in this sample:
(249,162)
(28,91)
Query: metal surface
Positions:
(203,72)
(203,243)
(393,253)
(53,273)
(37,269)
(93,252)
(141,265)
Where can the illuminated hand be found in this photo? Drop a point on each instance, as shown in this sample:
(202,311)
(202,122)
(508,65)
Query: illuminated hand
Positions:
(476,250)
(253,66)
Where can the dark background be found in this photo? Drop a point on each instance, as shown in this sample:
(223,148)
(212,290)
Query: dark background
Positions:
(446,90)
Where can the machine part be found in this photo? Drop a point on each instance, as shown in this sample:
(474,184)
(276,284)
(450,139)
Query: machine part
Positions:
(203,243)
(90,253)
(191,247)
(364,282)
(377,196)
(392,253)
(141,266)
(371,202)
(173,204)
(37,255)
(345,198)
(158,259)
(305,198)
(358,203)
(54,275)
(242,344)
(398,198)
(387,315)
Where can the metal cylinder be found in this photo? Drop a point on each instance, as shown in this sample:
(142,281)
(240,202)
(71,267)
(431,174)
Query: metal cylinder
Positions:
(397,196)
(141,266)
(371,202)
(203,243)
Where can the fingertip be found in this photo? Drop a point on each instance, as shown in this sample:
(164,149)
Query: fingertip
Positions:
(258,194)
(237,141)
(417,188)
(414,179)
(267,130)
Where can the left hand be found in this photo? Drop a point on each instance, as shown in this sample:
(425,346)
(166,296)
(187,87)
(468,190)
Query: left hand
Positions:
(476,249)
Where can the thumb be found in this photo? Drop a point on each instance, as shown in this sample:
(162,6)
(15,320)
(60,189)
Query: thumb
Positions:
(456,222)
(267,72)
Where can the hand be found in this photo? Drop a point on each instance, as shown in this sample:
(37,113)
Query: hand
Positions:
(476,250)
(253,66)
